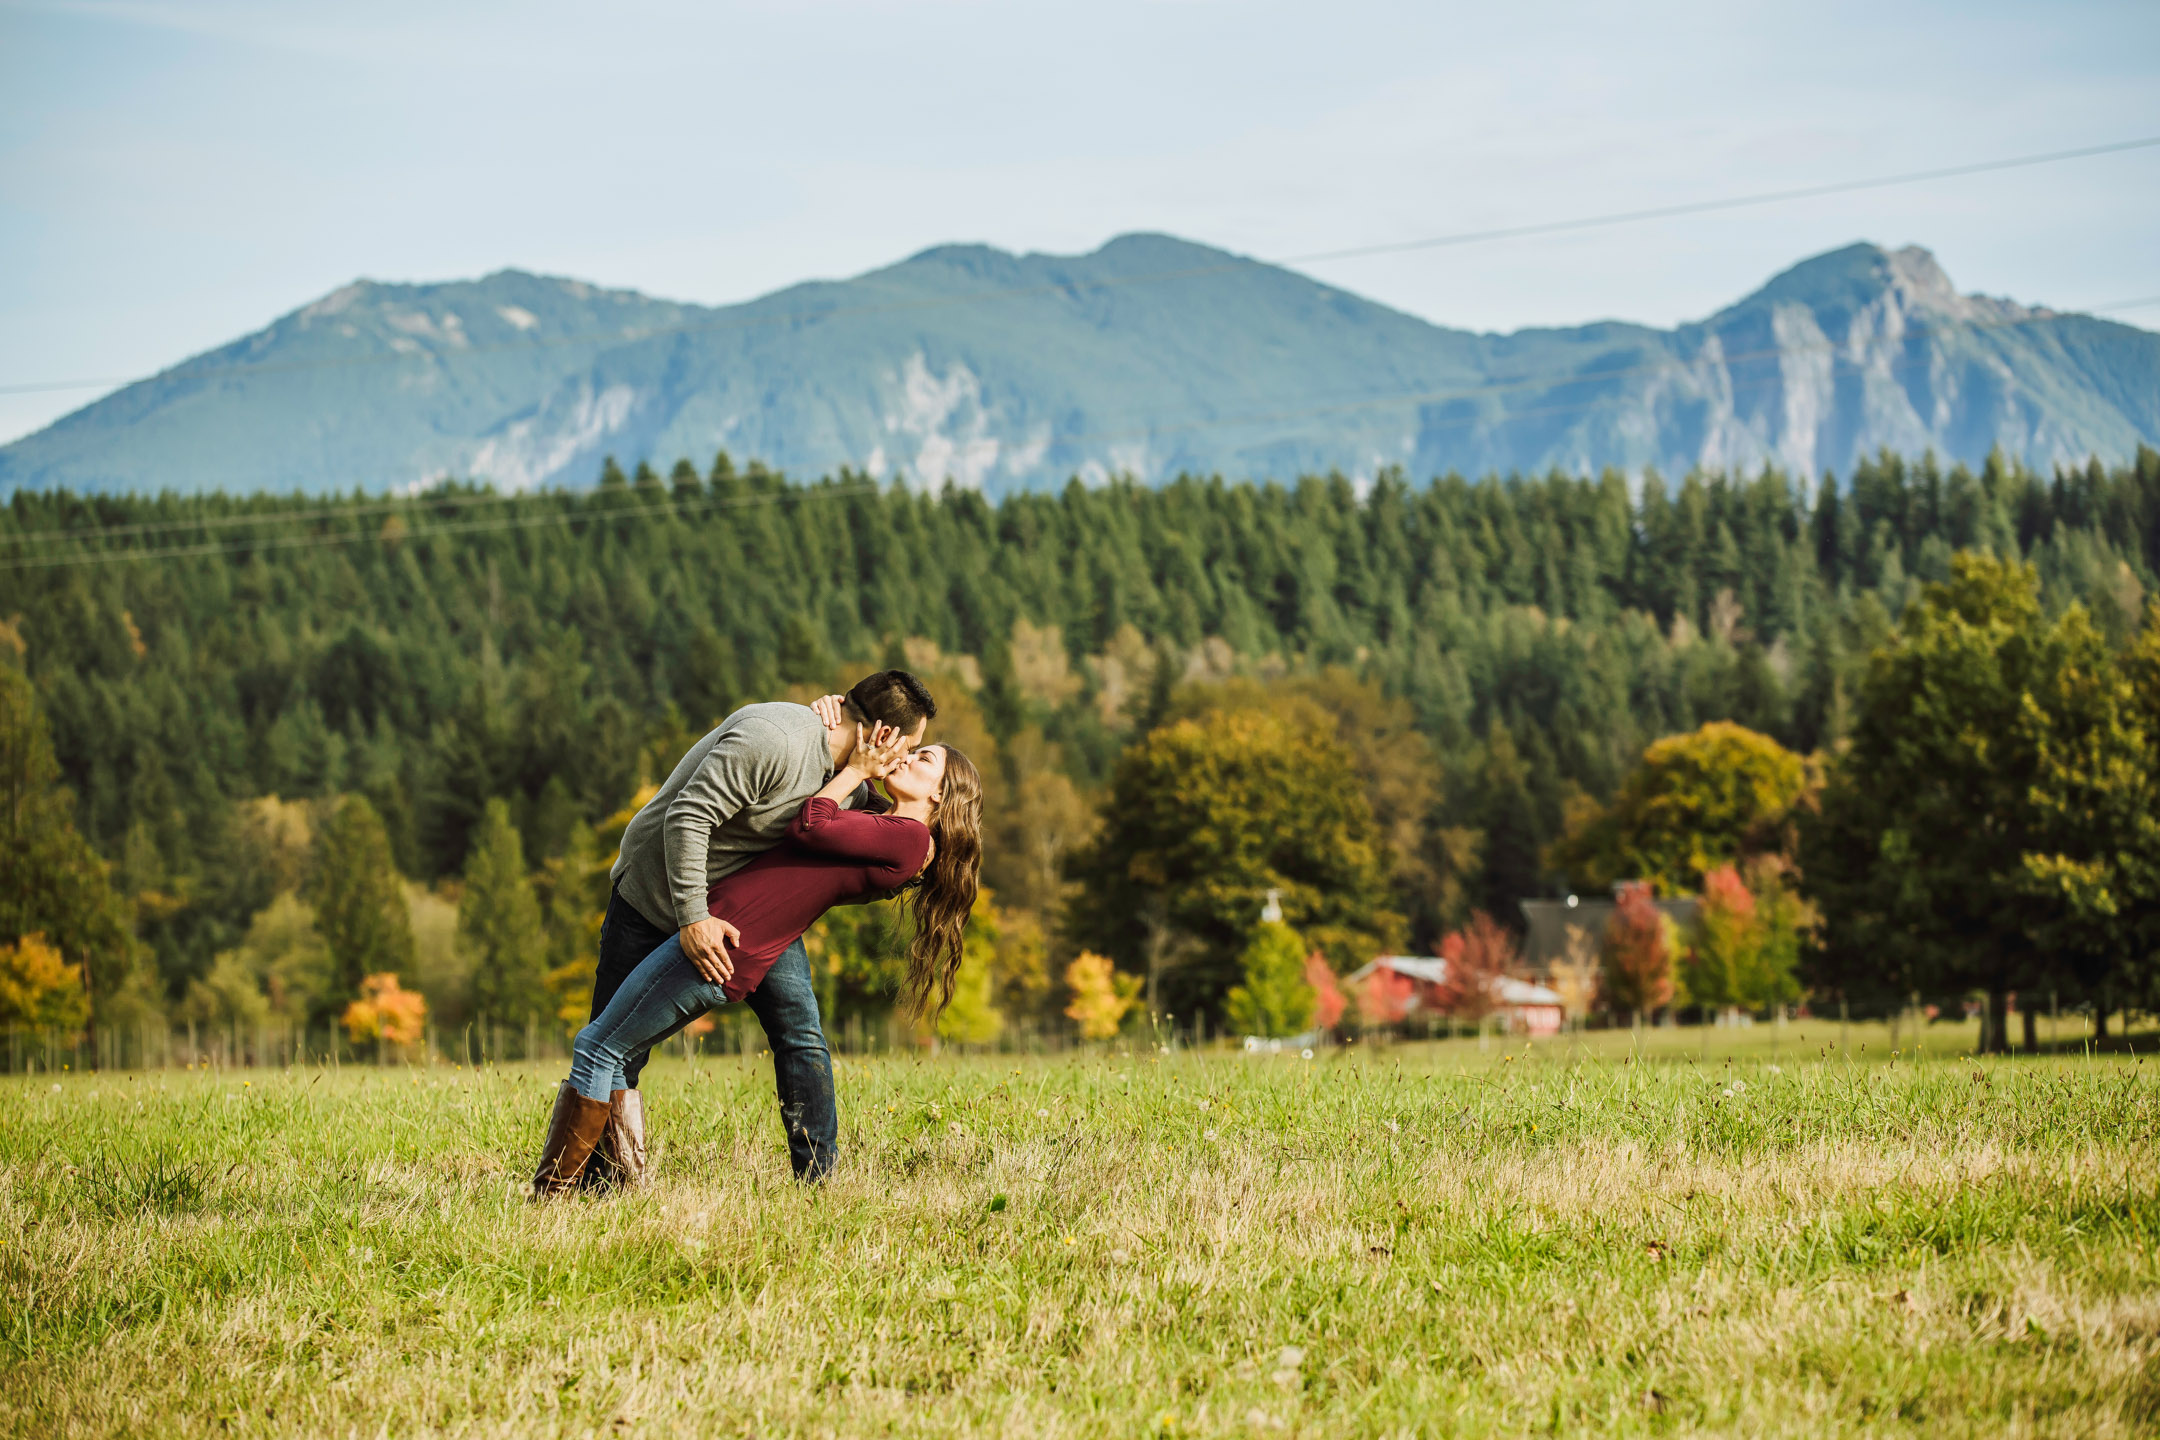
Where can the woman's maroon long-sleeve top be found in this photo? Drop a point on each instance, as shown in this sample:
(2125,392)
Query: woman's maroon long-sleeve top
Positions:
(829,855)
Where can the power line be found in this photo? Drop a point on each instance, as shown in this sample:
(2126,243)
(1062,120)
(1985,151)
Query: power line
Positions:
(408,504)
(1730,202)
(1432,242)
(407,535)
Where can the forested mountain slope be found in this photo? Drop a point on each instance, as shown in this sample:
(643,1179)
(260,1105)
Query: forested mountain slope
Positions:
(1150,357)
(437,652)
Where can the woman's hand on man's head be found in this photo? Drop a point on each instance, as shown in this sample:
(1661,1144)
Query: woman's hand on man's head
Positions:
(878,749)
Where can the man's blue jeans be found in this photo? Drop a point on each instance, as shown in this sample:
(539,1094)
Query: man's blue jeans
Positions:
(786,1005)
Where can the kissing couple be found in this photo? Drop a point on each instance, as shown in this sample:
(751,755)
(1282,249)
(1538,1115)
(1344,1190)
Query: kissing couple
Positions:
(769,820)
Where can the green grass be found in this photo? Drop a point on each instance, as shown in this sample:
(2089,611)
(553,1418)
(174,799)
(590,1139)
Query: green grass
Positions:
(1422,1239)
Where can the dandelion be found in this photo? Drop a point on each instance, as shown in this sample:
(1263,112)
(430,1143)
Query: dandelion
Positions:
(1042,1114)
(1307,1052)
(1211,1134)
(1727,1092)
(1203,1104)
(56,1087)
(1392,1127)
(250,1084)
(1291,1356)
(1069,1240)
(953,1125)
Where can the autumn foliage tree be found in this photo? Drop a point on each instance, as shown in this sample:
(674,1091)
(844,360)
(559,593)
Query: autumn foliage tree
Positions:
(1329,1002)
(386,1013)
(1100,996)
(1384,997)
(1717,796)
(38,988)
(1637,954)
(1479,956)
(1727,943)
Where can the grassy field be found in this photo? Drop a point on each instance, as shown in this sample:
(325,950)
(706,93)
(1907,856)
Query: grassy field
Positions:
(1566,1238)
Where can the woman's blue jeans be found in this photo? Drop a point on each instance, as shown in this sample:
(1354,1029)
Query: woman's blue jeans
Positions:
(785,1003)
(662,995)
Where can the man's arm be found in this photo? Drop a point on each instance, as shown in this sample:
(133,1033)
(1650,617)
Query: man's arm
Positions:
(742,766)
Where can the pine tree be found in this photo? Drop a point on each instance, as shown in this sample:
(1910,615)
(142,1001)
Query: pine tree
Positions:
(499,925)
(359,904)
(52,885)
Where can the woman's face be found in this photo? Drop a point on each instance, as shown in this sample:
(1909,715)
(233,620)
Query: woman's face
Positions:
(920,777)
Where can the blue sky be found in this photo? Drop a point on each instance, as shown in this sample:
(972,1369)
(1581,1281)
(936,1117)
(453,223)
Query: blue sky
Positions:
(175,174)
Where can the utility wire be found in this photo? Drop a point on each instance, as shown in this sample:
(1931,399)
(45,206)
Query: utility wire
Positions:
(1730,202)
(409,504)
(416,533)
(631,335)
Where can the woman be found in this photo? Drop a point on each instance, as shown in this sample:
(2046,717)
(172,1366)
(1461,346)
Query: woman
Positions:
(931,841)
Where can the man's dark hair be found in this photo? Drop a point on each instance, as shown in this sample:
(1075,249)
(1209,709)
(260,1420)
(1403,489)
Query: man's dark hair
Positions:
(895,698)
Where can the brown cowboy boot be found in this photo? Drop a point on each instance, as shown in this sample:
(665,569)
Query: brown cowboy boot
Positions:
(573,1130)
(618,1161)
(601,1172)
(626,1138)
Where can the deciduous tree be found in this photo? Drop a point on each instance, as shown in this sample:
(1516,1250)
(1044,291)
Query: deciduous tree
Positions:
(1204,817)
(1100,996)
(1479,956)
(1717,796)
(1638,954)
(1275,999)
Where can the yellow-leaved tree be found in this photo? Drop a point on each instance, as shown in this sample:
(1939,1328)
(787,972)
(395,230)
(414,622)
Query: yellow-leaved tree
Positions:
(386,1013)
(1100,995)
(38,988)
(1720,795)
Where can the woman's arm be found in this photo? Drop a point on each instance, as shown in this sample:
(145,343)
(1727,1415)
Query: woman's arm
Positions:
(894,848)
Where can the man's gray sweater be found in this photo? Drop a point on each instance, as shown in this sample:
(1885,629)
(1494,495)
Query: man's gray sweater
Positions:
(728,802)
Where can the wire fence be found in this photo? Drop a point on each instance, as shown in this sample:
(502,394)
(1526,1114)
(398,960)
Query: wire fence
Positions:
(279,1044)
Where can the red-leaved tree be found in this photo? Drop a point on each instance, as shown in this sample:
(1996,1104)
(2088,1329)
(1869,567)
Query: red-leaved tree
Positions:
(1384,997)
(1478,957)
(1638,953)
(1330,1001)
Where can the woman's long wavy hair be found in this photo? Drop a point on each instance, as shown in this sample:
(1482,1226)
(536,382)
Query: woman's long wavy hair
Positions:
(946,891)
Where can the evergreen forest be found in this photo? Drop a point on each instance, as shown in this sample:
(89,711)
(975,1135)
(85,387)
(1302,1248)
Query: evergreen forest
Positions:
(493,678)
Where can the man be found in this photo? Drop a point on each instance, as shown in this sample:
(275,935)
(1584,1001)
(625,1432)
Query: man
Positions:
(728,801)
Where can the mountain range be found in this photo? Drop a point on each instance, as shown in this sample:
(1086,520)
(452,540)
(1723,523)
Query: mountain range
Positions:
(1150,357)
